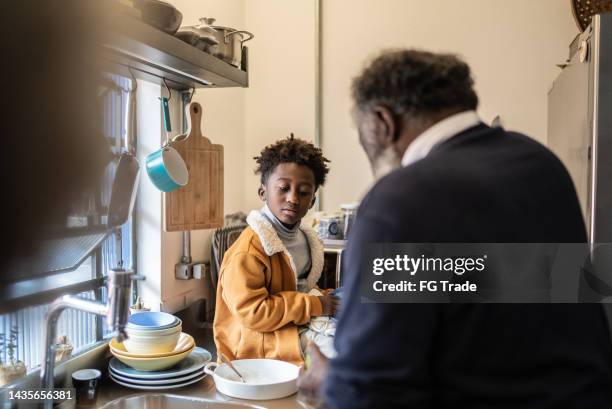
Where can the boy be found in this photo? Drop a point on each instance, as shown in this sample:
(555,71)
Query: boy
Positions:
(267,274)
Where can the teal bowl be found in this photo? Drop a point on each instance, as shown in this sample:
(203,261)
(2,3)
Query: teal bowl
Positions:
(167,170)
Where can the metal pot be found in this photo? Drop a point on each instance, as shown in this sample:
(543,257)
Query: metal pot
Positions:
(160,14)
(165,167)
(201,36)
(167,170)
(230,41)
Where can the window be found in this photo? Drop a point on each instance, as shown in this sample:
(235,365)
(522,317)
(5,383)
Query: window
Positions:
(81,328)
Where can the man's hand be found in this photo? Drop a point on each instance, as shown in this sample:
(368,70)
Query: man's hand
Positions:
(311,379)
(330,304)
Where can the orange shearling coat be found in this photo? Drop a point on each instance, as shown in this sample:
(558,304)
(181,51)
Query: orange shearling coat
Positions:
(258,309)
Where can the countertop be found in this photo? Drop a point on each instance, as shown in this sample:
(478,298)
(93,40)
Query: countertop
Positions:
(110,391)
(205,389)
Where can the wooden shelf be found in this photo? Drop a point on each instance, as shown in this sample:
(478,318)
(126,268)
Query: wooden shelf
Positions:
(155,54)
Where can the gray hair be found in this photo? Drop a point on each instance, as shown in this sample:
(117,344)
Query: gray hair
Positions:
(415,84)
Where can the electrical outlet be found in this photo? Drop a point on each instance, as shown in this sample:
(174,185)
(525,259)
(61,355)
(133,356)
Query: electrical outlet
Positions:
(186,271)
(183,271)
(199,271)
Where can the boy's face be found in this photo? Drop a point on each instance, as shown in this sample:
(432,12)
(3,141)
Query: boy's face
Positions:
(289,192)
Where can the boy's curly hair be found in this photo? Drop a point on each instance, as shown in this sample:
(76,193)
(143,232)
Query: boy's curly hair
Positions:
(292,150)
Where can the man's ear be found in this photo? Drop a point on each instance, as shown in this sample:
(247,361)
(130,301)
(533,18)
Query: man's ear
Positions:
(388,125)
(262,193)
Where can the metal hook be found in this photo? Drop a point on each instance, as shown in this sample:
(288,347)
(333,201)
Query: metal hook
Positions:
(168,89)
(134,85)
(192,93)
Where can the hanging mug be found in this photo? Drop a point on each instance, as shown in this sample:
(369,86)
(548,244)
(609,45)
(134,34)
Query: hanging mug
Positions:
(165,167)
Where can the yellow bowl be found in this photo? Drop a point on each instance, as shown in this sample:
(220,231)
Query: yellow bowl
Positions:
(153,364)
(184,343)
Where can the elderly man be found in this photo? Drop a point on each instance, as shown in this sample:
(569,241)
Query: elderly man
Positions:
(447,177)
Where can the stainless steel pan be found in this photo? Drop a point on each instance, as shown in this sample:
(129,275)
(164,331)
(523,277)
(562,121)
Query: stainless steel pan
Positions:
(230,41)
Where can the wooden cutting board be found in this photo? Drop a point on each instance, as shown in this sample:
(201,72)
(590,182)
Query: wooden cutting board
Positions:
(199,204)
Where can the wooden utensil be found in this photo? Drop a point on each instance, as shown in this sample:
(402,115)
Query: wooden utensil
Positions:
(199,204)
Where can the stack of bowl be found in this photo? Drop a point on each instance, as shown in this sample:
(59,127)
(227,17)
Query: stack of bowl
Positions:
(155,342)
(152,332)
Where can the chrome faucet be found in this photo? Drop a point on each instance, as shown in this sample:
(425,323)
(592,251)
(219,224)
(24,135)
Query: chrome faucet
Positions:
(116,312)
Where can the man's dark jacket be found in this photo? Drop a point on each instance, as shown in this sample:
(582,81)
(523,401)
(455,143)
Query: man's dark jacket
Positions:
(482,185)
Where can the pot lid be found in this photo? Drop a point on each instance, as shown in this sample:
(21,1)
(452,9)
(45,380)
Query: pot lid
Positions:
(203,28)
(223,28)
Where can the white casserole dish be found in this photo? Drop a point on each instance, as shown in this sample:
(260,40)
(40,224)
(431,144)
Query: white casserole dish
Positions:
(265,378)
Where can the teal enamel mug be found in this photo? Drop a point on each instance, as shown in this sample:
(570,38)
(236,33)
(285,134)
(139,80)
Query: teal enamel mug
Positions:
(166,169)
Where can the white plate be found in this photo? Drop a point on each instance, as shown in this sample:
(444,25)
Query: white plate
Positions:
(156,381)
(194,361)
(169,379)
(158,387)
(150,381)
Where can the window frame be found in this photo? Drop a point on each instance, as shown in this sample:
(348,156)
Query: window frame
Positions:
(90,275)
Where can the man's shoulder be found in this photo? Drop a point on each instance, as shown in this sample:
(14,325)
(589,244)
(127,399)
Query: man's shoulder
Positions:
(481,154)
(483,141)
(475,165)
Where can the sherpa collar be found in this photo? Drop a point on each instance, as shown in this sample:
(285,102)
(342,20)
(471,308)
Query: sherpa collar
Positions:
(272,244)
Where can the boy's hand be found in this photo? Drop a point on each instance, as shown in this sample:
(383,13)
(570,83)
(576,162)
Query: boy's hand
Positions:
(330,304)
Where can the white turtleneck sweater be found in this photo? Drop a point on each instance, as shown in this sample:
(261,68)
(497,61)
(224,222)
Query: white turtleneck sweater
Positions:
(295,242)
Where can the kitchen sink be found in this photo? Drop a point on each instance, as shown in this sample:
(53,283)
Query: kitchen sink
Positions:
(164,401)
